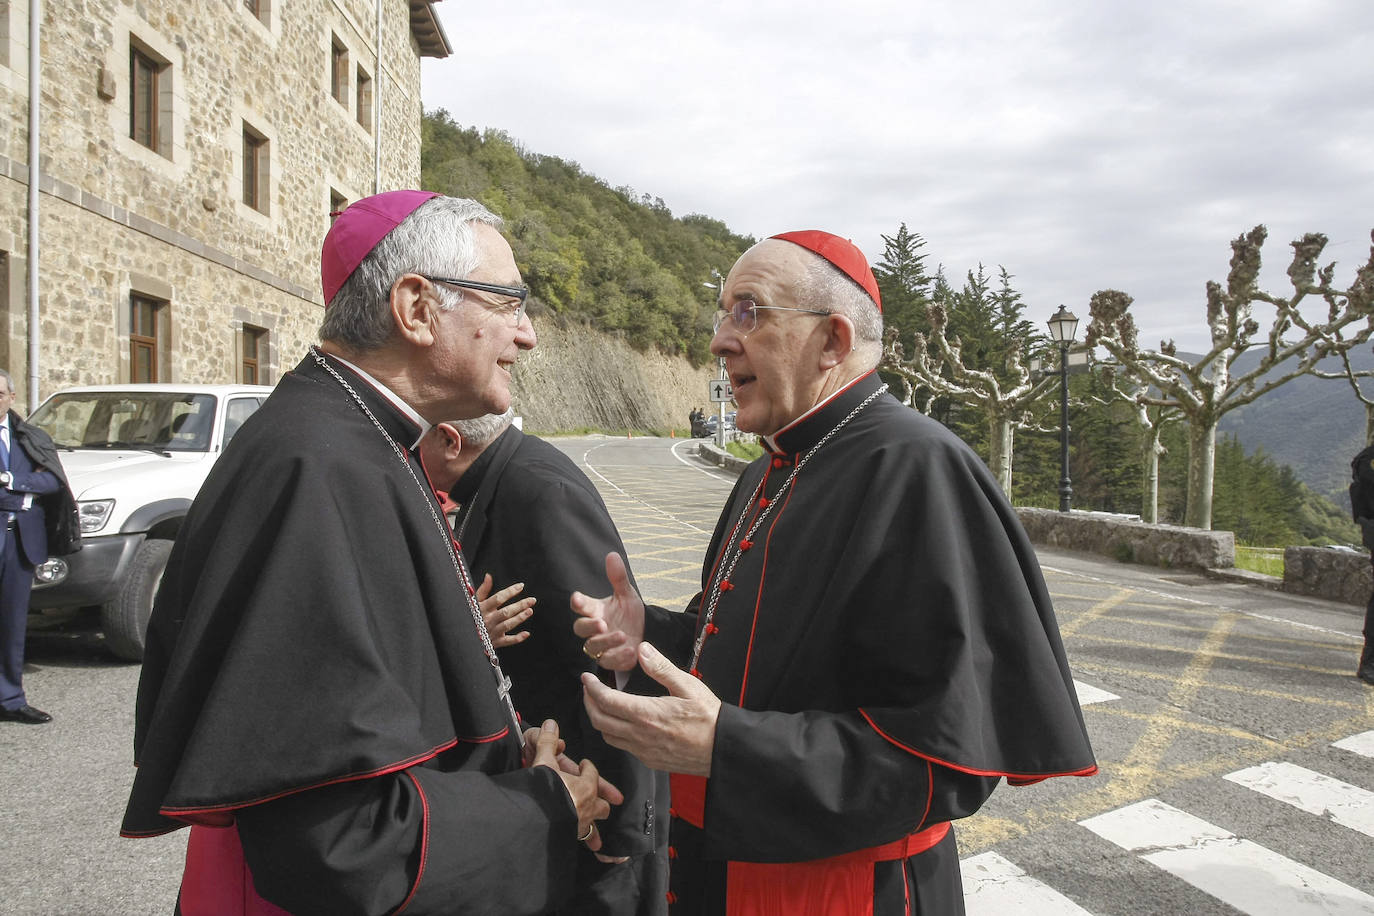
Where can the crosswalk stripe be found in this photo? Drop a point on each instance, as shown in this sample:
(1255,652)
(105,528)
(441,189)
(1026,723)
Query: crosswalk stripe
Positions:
(1240,873)
(1362,744)
(1087,693)
(1347,805)
(994,886)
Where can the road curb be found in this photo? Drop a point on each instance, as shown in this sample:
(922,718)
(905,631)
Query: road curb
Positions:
(721,458)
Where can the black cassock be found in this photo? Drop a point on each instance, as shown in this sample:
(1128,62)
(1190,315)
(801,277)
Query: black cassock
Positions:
(529,515)
(885,650)
(315,697)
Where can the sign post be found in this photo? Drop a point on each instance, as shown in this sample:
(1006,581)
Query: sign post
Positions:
(719,390)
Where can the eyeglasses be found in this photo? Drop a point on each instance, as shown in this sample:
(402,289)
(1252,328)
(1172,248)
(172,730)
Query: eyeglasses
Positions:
(745,314)
(518,293)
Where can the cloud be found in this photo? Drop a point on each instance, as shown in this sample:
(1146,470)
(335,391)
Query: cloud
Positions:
(1081,145)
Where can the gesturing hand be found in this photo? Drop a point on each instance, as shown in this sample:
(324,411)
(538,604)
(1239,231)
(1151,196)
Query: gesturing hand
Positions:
(612,626)
(500,620)
(676,733)
(591,795)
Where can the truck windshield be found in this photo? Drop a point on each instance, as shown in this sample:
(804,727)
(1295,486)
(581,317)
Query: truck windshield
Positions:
(169,421)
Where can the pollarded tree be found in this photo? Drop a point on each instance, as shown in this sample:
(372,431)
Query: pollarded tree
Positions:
(1006,399)
(1353,376)
(1152,420)
(1206,390)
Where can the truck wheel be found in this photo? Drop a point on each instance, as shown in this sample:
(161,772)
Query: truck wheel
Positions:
(125,619)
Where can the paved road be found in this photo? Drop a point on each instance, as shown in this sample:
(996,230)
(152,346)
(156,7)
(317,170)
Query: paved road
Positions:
(1204,699)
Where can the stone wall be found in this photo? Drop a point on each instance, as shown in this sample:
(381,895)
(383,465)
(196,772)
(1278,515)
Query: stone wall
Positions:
(170,223)
(1130,540)
(1328,572)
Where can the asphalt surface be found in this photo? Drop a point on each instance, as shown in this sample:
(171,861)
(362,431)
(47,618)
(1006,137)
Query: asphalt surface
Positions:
(1185,681)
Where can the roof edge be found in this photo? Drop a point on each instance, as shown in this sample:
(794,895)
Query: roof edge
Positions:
(428,30)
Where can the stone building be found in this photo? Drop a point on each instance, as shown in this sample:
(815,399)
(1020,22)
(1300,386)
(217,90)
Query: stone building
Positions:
(190,153)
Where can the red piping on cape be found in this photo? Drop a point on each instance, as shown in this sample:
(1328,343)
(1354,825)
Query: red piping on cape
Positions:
(424,843)
(212,813)
(758,596)
(1015,779)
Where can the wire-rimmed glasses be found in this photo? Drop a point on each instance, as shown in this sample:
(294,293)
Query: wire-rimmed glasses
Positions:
(745,314)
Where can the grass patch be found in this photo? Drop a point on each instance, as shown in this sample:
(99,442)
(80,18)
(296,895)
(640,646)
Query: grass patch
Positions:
(1266,560)
(746,450)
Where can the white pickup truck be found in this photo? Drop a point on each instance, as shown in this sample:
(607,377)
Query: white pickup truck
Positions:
(135,456)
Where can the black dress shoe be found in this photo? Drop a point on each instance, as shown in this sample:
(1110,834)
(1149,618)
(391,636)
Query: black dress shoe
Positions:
(26,714)
(1366,675)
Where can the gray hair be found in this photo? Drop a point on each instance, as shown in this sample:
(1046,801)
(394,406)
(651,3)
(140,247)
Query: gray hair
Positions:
(435,239)
(482,431)
(826,287)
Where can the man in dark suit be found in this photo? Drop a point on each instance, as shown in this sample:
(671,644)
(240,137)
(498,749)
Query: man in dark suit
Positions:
(1362,508)
(38,513)
(526,514)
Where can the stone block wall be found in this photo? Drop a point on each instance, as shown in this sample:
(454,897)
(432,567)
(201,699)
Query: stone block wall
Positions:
(1130,540)
(1328,572)
(171,223)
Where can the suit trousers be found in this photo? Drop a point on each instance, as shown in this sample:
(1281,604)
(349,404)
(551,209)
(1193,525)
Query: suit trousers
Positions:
(1366,668)
(16,580)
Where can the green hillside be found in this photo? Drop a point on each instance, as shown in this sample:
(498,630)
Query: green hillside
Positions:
(590,253)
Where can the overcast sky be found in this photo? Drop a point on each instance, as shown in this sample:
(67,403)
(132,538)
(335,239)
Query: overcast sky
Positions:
(1082,145)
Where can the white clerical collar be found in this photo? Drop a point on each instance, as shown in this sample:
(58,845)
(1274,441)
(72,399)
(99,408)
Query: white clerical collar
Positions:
(772,441)
(391,396)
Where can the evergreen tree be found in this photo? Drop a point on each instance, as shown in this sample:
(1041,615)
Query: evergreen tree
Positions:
(903,283)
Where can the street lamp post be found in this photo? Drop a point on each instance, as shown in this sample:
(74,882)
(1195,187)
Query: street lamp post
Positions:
(719,287)
(1063,326)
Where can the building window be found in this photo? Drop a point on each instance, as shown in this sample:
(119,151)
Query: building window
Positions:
(254,355)
(338,71)
(146,317)
(4,33)
(337,203)
(258,9)
(146,78)
(255,169)
(364,100)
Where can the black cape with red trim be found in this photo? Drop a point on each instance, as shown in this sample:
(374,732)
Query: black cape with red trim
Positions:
(313,677)
(886,650)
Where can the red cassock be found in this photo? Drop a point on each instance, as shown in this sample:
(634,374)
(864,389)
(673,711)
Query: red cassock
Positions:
(886,651)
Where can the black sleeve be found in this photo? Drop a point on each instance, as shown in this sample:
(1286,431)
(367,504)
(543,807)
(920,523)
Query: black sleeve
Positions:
(789,787)
(452,843)
(571,557)
(671,634)
(568,529)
